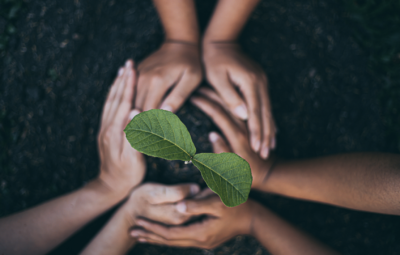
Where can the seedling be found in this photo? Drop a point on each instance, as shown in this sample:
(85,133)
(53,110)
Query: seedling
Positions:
(160,133)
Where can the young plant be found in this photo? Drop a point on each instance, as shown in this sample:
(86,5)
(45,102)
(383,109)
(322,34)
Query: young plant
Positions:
(160,133)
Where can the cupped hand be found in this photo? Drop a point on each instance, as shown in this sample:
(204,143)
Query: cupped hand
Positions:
(235,132)
(175,65)
(220,224)
(122,167)
(158,202)
(227,68)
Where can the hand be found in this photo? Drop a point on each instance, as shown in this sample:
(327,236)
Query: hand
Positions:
(175,64)
(235,132)
(122,167)
(158,202)
(221,224)
(226,68)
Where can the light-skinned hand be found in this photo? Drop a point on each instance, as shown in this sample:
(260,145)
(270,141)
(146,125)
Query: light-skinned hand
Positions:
(158,202)
(228,69)
(155,202)
(208,233)
(175,65)
(235,132)
(122,167)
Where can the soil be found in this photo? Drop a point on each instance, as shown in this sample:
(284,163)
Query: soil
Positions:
(65,54)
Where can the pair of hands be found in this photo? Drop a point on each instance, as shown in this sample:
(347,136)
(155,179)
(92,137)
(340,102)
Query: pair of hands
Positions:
(216,227)
(177,66)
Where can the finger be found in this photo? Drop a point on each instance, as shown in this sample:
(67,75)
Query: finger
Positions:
(166,213)
(124,108)
(120,89)
(222,120)
(158,87)
(204,193)
(208,205)
(229,95)
(147,237)
(181,92)
(249,90)
(142,90)
(111,94)
(218,143)
(131,115)
(268,124)
(191,231)
(212,95)
(158,194)
(127,145)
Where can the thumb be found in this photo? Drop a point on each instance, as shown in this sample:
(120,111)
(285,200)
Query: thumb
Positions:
(207,205)
(160,194)
(218,143)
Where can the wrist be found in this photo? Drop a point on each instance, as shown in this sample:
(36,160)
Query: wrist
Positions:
(258,214)
(211,36)
(263,177)
(211,48)
(109,189)
(192,39)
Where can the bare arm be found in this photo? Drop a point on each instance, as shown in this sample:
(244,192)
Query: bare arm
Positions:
(362,181)
(240,82)
(250,218)
(228,20)
(153,201)
(279,237)
(176,64)
(114,238)
(40,229)
(179,20)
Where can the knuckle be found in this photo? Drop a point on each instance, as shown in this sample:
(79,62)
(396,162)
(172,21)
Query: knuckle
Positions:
(203,239)
(107,135)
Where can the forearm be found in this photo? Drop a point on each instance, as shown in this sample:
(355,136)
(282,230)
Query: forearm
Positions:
(362,181)
(114,238)
(228,20)
(179,19)
(40,229)
(279,237)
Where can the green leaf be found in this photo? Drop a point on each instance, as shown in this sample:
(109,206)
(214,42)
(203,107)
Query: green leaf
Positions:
(160,133)
(226,174)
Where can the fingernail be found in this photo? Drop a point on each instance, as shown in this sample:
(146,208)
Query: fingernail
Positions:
(194,189)
(133,113)
(134,234)
(142,240)
(241,112)
(213,137)
(128,64)
(256,144)
(181,207)
(166,107)
(273,143)
(120,71)
(265,152)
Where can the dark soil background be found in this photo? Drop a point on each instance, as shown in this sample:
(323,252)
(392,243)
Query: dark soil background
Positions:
(63,56)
